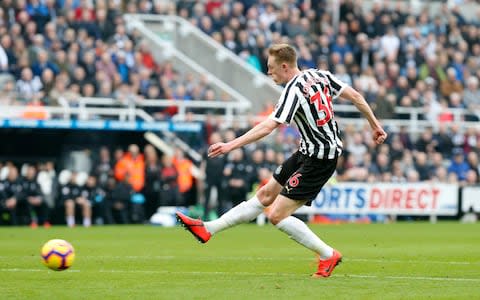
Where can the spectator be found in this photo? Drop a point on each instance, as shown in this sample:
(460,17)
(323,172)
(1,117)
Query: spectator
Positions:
(389,44)
(384,106)
(96,196)
(72,200)
(7,92)
(117,201)
(458,166)
(341,47)
(450,84)
(432,69)
(48,82)
(131,165)
(356,149)
(471,96)
(152,181)
(421,166)
(4,66)
(47,181)
(170,194)
(11,198)
(60,94)
(106,66)
(213,170)
(43,63)
(104,29)
(442,140)
(474,163)
(185,180)
(28,85)
(103,169)
(38,209)
(236,175)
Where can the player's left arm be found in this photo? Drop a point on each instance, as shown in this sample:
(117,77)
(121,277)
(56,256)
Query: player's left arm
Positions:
(349,93)
(259,131)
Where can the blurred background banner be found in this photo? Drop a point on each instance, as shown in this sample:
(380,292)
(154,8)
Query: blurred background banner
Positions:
(384,198)
(101,125)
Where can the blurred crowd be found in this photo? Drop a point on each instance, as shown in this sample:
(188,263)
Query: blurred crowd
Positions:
(54,51)
(106,186)
(395,57)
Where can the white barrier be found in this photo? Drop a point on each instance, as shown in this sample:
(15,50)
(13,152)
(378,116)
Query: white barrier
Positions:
(394,199)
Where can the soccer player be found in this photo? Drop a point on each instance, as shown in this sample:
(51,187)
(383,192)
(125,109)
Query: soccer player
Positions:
(307,100)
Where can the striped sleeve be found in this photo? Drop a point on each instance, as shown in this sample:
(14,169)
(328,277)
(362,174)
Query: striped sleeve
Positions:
(287,104)
(336,85)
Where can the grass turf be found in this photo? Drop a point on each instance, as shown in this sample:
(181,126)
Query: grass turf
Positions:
(395,261)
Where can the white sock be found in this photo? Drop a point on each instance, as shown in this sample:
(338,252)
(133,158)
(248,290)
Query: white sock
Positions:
(87,222)
(243,212)
(299,232)
(70,221)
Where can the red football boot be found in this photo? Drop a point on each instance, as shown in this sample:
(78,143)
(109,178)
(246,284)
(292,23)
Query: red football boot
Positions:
(326,266)
(195,226)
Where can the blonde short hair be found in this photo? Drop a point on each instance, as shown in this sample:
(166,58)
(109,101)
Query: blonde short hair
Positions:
(283,53)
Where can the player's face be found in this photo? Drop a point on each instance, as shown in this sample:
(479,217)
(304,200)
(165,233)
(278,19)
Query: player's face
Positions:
(275,70)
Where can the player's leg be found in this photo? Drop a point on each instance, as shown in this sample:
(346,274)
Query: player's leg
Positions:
(86,211)
(280,215)
(302,186)
(43,213)
(40,209)
(242,213)
(70,212)
(247,210)
(11,208)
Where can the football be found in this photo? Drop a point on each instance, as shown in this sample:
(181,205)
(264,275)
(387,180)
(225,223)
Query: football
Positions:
(58,254)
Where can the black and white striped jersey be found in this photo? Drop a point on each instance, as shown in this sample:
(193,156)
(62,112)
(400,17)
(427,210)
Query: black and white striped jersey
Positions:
(307,99)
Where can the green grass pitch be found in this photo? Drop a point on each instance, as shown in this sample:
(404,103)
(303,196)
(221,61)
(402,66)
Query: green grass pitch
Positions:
(394,261)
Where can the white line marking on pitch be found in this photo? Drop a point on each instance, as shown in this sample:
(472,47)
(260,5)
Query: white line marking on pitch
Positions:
(412,278)
(295,275)
(426,278)
(32,270)
(229,258)
(412,261)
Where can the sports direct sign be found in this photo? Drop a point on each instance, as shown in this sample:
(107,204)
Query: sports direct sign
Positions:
(396,199)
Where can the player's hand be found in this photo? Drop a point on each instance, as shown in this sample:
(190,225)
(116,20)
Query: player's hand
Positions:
(218,149)
(379,136)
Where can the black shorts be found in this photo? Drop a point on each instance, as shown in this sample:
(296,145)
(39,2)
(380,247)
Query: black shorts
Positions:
(302,177)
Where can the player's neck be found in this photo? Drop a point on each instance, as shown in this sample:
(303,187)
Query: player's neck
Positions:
(294,72)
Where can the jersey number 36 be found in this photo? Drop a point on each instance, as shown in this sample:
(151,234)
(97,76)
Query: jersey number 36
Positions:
(326,109)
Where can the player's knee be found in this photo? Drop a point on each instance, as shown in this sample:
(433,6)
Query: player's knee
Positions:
(265,196)
(274,217)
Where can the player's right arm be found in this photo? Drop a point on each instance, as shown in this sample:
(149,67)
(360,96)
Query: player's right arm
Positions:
(259,131)
(349,93)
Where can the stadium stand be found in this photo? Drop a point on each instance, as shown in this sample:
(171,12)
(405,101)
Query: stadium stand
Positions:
(419,67)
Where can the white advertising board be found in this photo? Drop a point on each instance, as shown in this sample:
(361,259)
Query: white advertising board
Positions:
(471,199)
(395,199)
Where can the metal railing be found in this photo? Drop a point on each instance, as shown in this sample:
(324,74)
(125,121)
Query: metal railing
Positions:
(81,113)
